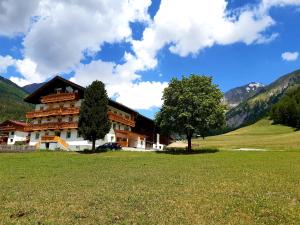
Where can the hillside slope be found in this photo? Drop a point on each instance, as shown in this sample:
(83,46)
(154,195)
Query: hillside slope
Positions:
(12,105)
(261,135)
(257,106)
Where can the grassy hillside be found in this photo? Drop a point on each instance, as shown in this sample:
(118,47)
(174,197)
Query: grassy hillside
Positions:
(12,105)
(148,188)
(257,106)
(262,135)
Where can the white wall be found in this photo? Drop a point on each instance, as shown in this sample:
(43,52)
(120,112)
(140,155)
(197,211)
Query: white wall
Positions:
(16,136)
(75,142)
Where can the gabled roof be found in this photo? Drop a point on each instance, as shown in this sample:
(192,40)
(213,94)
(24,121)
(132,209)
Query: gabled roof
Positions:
(46,89)
(11,125)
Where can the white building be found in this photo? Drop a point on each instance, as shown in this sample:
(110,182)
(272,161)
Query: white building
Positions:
(54,122)
(13,132)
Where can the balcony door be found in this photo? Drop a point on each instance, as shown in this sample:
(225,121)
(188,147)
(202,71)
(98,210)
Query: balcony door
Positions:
(57,133)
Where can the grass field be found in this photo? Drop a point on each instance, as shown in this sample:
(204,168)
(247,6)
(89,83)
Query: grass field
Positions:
(226,187)
(261,135)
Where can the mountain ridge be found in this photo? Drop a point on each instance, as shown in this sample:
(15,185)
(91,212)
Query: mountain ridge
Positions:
(257,106)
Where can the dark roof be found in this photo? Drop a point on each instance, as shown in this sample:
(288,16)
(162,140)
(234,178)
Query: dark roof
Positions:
(34,97)
(18,123)
(45,89)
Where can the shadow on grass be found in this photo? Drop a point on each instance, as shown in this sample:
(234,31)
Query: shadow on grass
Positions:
(183,151)
(87,151)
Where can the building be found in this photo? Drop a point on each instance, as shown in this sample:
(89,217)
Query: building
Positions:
(54,122)
(12,132)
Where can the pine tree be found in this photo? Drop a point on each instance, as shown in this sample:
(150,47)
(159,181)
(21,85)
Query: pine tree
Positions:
(93,119)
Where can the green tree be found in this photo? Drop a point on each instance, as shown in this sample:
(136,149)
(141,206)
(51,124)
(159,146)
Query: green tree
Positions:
(287,110)
(192,106)
(93,121)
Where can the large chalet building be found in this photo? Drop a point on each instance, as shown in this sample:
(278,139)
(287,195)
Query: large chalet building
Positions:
(53,123)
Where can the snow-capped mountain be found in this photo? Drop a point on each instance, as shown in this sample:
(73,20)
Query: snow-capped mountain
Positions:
(237,95)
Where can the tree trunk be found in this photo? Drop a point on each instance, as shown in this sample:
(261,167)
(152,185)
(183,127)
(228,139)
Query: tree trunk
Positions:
(94,145)
(189,148)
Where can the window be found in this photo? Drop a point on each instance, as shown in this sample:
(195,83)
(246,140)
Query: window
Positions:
(39,121)
(114,126)
(37,136)
(11,140)
(12,133)
(112,139)
(70,119)
(48,119)
(59,120)
(68,134)
(78,135)
(42,108)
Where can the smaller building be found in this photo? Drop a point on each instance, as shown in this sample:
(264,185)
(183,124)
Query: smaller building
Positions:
(12,132)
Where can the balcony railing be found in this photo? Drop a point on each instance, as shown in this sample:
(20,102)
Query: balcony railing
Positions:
(53,112)
(59,97)
(52,126)
(118,118)
(128,134)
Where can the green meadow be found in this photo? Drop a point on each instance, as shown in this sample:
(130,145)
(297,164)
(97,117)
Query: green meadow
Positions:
(261,135)
(225,187)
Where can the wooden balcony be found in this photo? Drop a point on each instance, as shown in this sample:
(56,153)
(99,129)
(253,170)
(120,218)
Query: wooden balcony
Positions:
(117,118)
(53,112)
(52,126)
(59,97)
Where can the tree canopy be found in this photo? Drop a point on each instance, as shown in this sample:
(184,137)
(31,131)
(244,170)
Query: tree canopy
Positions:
(191,106)
(93,121)
(287,110)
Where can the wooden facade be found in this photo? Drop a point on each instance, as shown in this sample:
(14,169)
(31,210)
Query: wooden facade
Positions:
(53,97)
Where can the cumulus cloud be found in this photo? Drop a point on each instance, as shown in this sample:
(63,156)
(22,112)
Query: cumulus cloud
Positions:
(122,83)
(58,34)
(290,56)
(15,16)
(67,29)
(5,62)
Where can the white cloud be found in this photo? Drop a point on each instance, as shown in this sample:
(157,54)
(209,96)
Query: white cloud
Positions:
(67,29)
(15,16)
(140,95)
(290,56)
(123,83)
(5,62)
(63,31)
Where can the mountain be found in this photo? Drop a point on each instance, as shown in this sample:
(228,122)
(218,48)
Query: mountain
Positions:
(235,96)
(258,105)
(30,88)
(12,105)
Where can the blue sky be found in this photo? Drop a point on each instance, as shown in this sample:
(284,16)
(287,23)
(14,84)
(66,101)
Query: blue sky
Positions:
(136,47)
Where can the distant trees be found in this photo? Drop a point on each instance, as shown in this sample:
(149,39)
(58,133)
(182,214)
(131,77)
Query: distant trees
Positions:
(192,106)
(93,121)
(287,110)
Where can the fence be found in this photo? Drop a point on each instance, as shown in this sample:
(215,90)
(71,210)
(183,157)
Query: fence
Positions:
(17,148)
